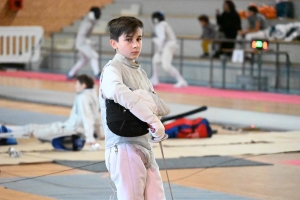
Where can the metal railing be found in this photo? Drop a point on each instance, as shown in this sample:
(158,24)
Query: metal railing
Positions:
(181,56)
(259,54)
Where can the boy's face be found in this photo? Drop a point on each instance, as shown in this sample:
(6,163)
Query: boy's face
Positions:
(79,87)
(250,13)
(130,45)
(203,23)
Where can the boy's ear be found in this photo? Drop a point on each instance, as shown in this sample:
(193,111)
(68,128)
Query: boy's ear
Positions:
(113,43)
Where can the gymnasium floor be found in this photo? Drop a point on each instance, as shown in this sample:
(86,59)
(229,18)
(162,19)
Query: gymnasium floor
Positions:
(277,153)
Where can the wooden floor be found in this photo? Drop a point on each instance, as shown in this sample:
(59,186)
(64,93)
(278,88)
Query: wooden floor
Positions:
(277,181)
(8,194)
(280,181)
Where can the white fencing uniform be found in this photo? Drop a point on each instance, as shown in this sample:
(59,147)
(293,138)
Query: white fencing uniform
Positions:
(84,118)
(257,35)
(166,44)
(84,45)
(286,32)
(130,160)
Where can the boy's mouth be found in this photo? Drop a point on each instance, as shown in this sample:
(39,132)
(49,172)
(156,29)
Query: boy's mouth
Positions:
(135,52)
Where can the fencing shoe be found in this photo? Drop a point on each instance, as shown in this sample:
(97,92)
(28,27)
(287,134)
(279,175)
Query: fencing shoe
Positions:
(97,77)
(154,80)
(68,77)
(95,147)
(181,83)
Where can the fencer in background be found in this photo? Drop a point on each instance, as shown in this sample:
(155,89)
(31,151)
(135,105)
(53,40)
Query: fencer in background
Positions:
(84,44)
(84,120)
(166,44)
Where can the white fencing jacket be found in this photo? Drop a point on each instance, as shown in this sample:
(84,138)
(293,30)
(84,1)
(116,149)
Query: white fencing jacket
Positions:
(164,34)
(120,77)
(85,114)
(83,42)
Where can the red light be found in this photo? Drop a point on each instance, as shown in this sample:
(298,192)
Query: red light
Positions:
(265,45)
(253,45)
(259,44)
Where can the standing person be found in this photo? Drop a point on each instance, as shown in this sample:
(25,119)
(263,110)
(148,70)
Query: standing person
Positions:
(84,118)
(229,23)
(165,41)
(208,34)
(84,44)
(126,117)
(257,25)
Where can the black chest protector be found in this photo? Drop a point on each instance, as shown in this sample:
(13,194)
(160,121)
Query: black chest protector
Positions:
(122,122)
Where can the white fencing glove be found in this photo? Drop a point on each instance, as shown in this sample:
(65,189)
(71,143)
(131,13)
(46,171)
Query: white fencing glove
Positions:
(144,113)
(156,140)
(157,129)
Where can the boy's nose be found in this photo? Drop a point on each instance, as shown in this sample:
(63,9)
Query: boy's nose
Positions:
(135,44)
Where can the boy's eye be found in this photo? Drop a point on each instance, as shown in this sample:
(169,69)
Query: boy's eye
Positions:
(128,39)
(139,39)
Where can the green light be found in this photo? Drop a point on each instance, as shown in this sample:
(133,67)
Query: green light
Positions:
(259,44)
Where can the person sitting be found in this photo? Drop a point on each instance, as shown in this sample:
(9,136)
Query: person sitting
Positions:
(208,34)
(84,120)
(257,24)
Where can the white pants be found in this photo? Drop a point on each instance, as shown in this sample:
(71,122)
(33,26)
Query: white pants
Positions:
(134,172)
(165,59)
(264,34)
(44,132)
(87,53)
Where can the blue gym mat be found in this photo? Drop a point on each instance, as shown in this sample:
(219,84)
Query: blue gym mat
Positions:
(22,117)
(49,97)
(95,186)
(172,163)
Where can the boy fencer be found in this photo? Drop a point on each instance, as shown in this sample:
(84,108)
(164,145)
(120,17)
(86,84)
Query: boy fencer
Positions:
(84,44)
(84,119)
(166,44)
(127,119)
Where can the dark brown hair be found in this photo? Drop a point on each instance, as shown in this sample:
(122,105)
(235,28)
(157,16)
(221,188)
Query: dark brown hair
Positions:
(230,5)
(85,79)
(123,25)
(253,9)
(203,18)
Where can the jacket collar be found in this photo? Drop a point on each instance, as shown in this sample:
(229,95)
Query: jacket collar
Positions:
(126,61)
(86,90)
